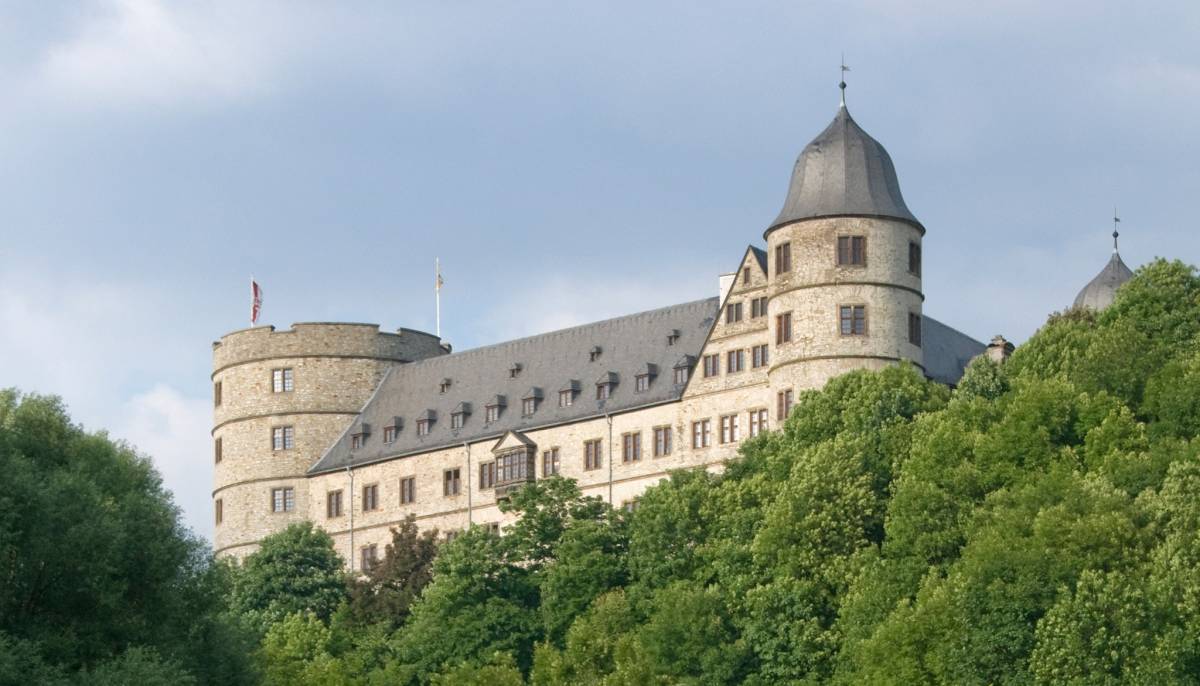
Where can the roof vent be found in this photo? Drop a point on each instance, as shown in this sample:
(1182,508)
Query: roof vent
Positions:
(515,370)
(672,336)
(594,353)
(444,385)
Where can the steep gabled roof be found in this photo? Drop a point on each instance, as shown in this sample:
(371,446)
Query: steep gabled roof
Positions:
(552,360)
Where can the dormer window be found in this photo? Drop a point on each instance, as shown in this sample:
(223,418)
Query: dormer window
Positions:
(566,394)
(444,385)
(493,408)
(530,401)
(359,438)
(594,353)
(643,378)
(673,337)
(459,416)
(515,370)
(605,384)
(392,429)
(425,422)
(683,369)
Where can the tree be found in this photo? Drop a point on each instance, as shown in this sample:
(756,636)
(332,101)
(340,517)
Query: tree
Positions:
(95,562)
(390,587)
(295,570)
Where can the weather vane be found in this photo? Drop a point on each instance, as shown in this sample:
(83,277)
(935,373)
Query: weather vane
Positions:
(842,83)
(1116,220)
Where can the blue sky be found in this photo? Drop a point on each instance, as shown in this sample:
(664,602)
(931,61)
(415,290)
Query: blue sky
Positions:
(567,162)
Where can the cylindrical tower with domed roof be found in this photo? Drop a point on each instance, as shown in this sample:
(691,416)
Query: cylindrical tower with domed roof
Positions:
(844,264)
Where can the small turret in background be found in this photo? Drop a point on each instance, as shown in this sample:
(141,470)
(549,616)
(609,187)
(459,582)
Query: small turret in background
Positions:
(999,350)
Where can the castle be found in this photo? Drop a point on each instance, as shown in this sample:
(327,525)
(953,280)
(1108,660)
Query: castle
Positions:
(354,429)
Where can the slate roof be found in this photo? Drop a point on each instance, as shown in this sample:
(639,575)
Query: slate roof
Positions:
(761,256)
(843,172)
(1100,291)
(548,361)
(947,351)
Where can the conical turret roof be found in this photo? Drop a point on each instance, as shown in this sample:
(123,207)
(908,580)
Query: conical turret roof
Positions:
(844,172)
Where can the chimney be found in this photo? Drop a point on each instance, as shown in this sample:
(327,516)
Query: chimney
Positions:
(999,349)
(725,284)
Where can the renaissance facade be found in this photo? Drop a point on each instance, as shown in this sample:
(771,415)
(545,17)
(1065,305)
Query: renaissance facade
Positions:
(355,429)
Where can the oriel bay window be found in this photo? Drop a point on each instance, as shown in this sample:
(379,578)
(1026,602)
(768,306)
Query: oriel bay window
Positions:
(514,467)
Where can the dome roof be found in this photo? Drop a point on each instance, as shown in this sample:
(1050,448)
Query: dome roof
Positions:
(1100,291)
(844,172)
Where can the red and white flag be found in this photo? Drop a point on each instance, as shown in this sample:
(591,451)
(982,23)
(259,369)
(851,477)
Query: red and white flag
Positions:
(255,301)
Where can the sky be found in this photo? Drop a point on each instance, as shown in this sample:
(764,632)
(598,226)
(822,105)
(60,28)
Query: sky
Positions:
(566,161)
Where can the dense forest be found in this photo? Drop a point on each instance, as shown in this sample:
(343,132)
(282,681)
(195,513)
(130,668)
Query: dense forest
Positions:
(1036,525)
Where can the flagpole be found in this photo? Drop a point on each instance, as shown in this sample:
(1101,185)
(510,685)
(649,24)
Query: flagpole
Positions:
(437,265)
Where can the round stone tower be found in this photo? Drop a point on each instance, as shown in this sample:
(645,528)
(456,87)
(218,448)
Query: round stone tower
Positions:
(844,264)
(280,399)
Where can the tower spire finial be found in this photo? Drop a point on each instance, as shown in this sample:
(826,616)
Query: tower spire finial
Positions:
(1116,220)
(842,82)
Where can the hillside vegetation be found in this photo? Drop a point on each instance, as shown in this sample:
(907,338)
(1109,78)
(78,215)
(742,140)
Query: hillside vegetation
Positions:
(1037,525)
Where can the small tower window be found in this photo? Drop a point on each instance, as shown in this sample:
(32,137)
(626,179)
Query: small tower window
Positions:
(783,258)
(219,510)
(283,499)
(281,381)
(283,438)
(852,251)
(914,329)
(783,328)
(217,454)
(217,394)
(914,259)
(783,404)
(853,320)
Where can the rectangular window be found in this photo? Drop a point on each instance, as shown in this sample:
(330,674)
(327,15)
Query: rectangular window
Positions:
(914,259)
(283,499)
(492,413)
(528,406)
(370,497)
(370,556)
(758,307)
(631,447)
(702,433)
(853,320)
(681,376)
(641,383)
(281,380)
(493,528)
(759,356)
(852,251)
(566,398)
(783,404)
(783,259)
(735,361)
(758,422)
(451,482)
(217,453)
(219,510)
(592,458)
(662,441)
(333,504)
(408,490)
(630,505)
(914,329)
(283,438)
(712,365)
(783,328)
(423,427)
(603,390)
(550,463)
(389,434)
(457,420)
(487,475)
(217,394)
(356,441)
(745,275)
(730,433)
(733,313)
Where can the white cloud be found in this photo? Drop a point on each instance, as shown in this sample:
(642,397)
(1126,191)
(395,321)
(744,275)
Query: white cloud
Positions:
(89,341)
(151,52)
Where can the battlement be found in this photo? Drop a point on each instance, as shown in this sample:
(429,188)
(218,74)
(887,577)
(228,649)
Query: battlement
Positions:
(324,339)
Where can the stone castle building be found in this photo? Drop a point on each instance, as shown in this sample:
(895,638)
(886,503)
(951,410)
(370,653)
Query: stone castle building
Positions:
(355,429)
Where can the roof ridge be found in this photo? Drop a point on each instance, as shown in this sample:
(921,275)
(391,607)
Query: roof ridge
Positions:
(564,330)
